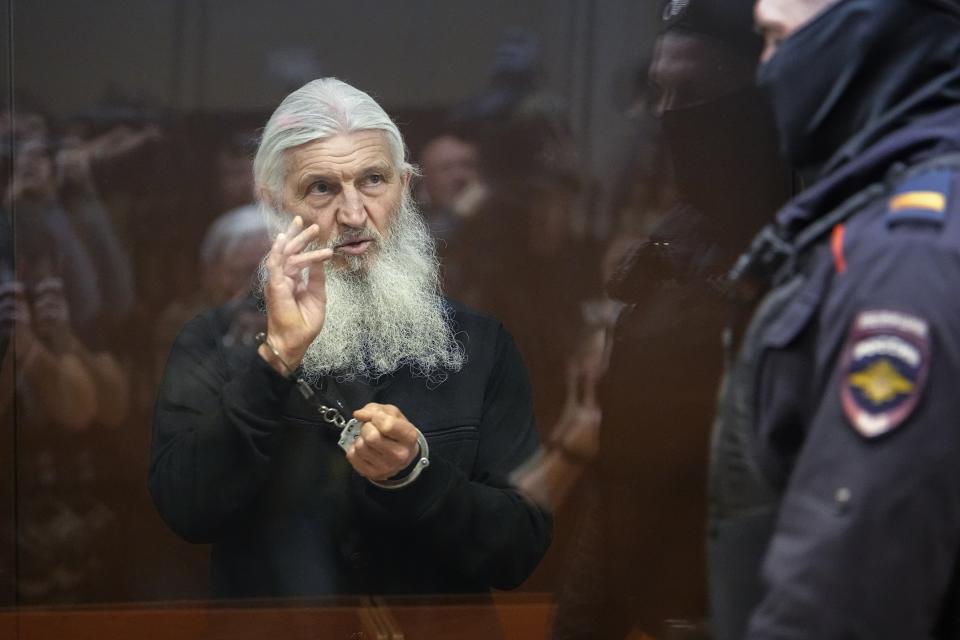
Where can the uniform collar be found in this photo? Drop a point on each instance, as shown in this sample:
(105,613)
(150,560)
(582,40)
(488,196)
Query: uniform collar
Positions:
(922,139)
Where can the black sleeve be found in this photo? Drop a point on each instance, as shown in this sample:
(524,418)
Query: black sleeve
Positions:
(213,433)
(491,534)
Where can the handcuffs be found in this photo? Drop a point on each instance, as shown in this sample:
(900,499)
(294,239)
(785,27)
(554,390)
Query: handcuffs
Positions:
(350,429)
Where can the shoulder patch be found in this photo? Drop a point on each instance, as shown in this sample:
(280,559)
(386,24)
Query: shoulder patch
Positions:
(884,369)
(921,198)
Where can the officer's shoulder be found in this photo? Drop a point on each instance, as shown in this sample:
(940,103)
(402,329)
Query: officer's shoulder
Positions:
(921,205)
(909,231)
(903,249)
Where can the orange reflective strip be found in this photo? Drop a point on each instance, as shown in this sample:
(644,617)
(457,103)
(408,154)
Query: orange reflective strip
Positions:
(930,200)
(836,245)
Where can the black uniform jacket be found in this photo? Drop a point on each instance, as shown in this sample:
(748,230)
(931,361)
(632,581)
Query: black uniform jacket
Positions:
(848,378)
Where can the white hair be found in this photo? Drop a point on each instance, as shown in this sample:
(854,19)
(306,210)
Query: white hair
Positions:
(318,110)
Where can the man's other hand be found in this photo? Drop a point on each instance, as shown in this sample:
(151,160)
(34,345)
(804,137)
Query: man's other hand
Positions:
(387,443)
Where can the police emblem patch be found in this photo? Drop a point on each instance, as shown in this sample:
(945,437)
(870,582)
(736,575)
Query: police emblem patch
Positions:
(885,365)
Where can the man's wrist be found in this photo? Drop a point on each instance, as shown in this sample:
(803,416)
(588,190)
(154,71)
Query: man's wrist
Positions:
(406,477)
(283,364)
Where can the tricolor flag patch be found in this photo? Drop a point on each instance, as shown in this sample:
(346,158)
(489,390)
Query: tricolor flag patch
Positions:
(885,364)
(921,198)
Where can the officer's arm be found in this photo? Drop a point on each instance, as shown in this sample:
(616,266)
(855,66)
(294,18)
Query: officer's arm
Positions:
(867,535)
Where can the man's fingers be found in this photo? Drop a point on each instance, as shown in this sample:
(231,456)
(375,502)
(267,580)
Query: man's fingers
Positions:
(280,242)
(370,435)
(362,464)
(316,282)
(301,260)
(275,257)
(294,227)
(368,463)
(369,448)
(389,421)
(384,448)
(297,242)
(371,408)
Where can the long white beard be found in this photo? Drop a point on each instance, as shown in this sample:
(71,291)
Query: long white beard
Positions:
(385,311)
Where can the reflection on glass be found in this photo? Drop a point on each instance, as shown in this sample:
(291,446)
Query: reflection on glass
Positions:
(638,556)
(139,237)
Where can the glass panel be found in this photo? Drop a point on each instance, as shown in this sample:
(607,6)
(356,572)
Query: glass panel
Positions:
(542,134)
(7,427)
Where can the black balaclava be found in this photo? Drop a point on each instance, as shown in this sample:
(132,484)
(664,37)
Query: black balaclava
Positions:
(859,70)
(726,166)
(724,151)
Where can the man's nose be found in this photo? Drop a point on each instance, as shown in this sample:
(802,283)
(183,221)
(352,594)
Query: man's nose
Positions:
(352,211)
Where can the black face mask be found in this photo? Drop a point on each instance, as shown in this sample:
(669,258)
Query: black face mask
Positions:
(856,71)
(725,160)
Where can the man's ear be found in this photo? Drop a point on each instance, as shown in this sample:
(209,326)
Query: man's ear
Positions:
(405,177)
(264,195)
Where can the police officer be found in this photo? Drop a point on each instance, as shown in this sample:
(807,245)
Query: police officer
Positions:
(837,441)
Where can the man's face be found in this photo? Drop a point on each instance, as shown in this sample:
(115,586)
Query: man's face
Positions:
(777,20)
(349,187)
(449,166)
(34,170)
(689,69)
(235,177)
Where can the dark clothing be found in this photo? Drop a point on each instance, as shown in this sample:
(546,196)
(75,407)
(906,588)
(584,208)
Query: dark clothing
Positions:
(638,557)
(837,439)
(242,461)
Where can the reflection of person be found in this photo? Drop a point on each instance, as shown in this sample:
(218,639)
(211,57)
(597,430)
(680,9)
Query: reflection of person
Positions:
(55,189)
(836,442)
(231,252)
(638,558)
(65,393)
(234,179)
(229,255)
(243,460)
(450,188)
(450,165)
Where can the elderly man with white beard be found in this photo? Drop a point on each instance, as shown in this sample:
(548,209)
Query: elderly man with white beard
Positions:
(249,451)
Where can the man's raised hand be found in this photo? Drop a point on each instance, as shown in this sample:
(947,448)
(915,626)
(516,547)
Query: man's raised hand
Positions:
(296,305)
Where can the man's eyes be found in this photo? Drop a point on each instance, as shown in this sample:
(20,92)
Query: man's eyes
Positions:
(325,188)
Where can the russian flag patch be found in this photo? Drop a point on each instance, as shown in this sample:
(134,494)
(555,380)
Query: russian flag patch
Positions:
(921,198)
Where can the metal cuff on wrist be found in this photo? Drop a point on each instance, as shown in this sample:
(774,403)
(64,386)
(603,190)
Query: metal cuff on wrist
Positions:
(261,338)
(422,463)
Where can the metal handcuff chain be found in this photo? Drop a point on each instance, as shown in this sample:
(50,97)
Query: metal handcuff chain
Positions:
(350,429)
